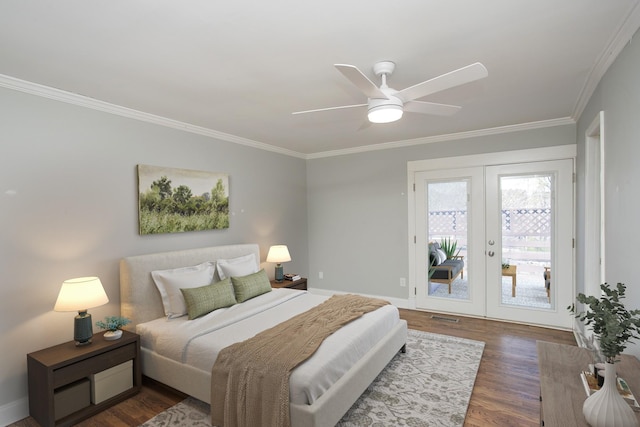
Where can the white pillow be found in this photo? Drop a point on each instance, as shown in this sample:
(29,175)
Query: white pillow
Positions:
(169,283)
(237,267)
(442,257)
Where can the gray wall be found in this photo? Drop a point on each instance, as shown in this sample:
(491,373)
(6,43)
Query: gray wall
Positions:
(618,95)
(68,208)
(358,212)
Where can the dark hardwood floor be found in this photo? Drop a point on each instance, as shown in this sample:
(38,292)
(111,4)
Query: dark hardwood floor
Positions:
(506,391)
(507,388)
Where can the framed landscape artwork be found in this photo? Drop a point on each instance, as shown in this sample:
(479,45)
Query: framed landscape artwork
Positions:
(176,200)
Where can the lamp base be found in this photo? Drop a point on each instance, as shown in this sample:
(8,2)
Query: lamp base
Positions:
(279,273)
(82,328)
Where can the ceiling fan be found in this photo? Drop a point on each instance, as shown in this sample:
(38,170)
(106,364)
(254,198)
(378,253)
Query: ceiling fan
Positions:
(386,104)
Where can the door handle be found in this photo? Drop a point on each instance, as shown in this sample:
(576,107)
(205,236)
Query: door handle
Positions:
(491,242)
(491,253)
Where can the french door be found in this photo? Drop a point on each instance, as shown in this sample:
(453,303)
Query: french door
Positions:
(450,204)
(529,227)
(512,225)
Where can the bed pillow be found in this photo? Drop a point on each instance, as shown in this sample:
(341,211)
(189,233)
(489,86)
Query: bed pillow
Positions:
(169,283)
(252,285)
(238,267)
(205,299)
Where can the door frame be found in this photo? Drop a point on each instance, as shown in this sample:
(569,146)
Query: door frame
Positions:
(487,159)
(594,209)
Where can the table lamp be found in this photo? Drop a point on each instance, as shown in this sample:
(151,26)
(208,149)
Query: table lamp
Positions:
(80,295)
(279,254)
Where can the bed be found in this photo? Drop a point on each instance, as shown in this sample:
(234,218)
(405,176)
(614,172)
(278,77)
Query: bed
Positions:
(319,395)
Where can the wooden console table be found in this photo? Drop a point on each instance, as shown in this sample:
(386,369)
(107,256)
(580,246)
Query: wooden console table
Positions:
(561,391)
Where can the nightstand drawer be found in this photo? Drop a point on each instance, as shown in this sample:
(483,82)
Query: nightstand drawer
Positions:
(85,368)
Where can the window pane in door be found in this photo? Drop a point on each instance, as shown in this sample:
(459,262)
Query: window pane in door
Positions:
(526,211)
(447,203)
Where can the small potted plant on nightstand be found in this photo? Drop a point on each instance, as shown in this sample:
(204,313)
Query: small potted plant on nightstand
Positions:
(113,324)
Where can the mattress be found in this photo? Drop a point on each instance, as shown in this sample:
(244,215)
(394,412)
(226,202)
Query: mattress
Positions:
(198,342)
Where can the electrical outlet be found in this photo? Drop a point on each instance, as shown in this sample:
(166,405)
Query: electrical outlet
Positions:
(403,282)
(320,275)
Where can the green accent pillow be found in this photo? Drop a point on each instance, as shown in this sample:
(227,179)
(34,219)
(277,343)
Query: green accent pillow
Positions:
(205,299)
(247,287)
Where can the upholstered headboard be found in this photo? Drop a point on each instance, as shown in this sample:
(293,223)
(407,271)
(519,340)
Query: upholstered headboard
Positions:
(139,298)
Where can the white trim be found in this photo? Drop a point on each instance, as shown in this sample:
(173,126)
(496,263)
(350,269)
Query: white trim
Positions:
(607,57)
(447,137)
(500,158)
(94,104)
(14,411)
(594,209)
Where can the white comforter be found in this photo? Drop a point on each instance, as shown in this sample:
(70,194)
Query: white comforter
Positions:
(197,342)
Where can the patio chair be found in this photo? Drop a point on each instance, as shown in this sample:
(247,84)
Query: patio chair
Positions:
(446,271)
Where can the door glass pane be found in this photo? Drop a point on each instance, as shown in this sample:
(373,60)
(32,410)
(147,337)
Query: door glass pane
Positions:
(526,239)
(447,207)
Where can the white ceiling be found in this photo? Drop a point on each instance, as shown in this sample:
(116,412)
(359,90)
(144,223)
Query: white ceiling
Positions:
(240,68)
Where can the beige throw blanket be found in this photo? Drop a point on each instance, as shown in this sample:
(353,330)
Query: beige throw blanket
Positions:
(250,379)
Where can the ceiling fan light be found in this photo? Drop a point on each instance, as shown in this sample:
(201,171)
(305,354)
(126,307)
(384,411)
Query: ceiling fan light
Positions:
(385,113)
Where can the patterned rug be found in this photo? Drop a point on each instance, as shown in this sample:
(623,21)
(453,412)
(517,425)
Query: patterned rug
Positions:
(429,385)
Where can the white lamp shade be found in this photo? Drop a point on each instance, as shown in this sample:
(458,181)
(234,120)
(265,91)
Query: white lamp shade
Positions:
(81,294)
(278,253)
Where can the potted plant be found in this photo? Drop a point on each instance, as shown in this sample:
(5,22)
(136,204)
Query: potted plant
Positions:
(614,327)
(113,324)
(449,247)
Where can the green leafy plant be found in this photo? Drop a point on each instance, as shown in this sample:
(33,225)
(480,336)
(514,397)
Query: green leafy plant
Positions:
(449,247)
(613,325)
(113,323)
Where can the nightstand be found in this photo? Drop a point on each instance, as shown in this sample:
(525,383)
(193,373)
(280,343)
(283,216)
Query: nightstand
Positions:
(63,379)
(300,284)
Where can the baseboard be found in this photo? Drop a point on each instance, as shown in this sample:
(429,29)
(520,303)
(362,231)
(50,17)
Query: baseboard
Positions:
(14,411)
(398,302)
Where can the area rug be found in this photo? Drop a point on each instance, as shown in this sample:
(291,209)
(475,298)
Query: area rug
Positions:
(429,385)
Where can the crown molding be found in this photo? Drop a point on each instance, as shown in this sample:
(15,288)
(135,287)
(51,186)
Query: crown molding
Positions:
(611,51)
(94,104)
(447,137)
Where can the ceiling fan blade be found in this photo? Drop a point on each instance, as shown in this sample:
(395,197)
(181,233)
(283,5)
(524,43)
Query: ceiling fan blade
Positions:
(457,77)
(431,108)
(329,108)
(362,82)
